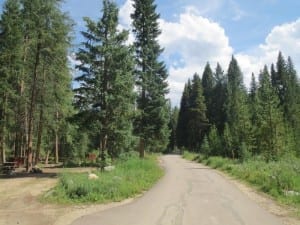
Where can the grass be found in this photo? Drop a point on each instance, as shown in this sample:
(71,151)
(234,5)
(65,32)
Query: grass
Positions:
(280,179)
(131,177)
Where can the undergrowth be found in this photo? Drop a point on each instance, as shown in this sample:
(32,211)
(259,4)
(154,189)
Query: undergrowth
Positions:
(131,177)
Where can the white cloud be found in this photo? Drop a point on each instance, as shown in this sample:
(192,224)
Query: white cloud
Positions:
(124,14)
(189,43)
(193,40)
(284,38)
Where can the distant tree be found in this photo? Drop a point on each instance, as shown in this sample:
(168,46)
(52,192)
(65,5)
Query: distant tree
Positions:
(215,142)
(270,124)
(151,79)
(208,83)
(173,126)
(183,117)
(197,124)
(218,117)
(105,97)
(237,110)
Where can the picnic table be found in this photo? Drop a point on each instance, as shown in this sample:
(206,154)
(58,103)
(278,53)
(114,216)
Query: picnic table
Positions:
(9,167)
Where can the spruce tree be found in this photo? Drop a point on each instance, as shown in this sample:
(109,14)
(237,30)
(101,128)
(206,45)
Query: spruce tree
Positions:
(237,110)
(105,97)
(271,132)
(208,84)
(218,99)
(183,117)
(151,74)
(10,66)
(173,126)
(197,121)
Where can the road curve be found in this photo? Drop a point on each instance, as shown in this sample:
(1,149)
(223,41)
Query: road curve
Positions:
(188,194)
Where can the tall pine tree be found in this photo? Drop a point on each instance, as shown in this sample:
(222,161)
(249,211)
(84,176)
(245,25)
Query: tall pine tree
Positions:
(10,66)
(105,97)
(237,110)
(197,121)
(208,83)
(270,127)
(183,117)
(151,74)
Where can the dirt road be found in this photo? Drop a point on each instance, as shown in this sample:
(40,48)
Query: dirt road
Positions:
(189,194)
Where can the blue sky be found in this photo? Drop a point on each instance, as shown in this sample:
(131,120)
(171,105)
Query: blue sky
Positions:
(197,31)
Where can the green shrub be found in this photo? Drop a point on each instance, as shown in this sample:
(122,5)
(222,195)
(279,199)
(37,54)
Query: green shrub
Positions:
(130,177)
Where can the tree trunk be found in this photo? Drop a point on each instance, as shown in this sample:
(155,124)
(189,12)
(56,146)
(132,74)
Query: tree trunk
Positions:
(41,120)
(56,141)
(2,130)
(39,139)
(32,109)
(103,141)
(142,148)
(56,148)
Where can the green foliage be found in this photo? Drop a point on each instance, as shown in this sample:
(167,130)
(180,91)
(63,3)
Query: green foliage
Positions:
(106,93)
(151,124)
(192,122)
(205,148)
(190,155)
(172,127)
(132,176)
(237,109)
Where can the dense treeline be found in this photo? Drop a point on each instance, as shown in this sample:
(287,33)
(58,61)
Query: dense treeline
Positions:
(35,93)
(119,101)
(231,121)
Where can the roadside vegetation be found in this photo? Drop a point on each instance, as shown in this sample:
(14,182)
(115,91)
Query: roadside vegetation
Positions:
(280,179)
(131,177)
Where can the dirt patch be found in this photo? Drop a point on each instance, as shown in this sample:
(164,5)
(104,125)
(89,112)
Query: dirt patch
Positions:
(19,202)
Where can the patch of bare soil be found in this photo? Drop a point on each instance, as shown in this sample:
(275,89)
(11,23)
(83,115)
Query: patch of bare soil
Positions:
(266,202)
(19,202)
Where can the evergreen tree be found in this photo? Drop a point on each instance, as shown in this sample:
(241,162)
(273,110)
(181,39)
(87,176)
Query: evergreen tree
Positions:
(237,113)
(46,34)
(197,120)
(218,100)
(151,74)
(270,133)
(292,104)
(208,84)
(173,126)
(215,143)
(10,66)
(105,97)
(183,117)
(253,107)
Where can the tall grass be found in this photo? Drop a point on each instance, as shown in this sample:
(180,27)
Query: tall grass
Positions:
(131,177)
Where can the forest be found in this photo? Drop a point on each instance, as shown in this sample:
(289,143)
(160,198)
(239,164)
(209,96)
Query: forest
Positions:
(119,102)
